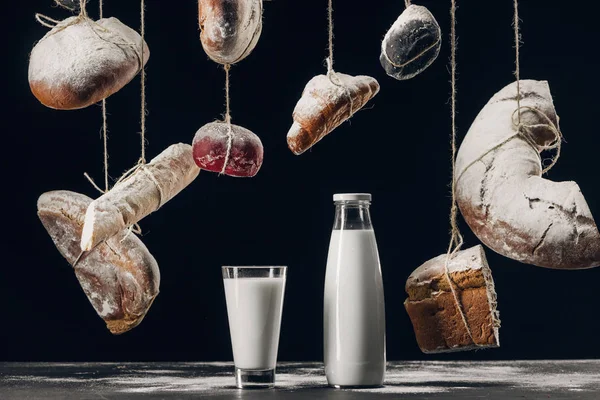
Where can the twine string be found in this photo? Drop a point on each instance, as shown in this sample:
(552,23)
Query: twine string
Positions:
(143,83)
(522,130)
(104,116)
(456,238)
(407,3)
(227,67)
(331,74)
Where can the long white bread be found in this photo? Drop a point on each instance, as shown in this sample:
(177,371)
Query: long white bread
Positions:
(501,192)
(139,195)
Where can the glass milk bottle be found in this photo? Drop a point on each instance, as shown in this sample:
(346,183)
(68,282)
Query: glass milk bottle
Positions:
(354,312)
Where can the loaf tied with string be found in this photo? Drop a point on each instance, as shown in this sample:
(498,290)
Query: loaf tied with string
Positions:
(412,43)
(326,102)
(139,194)
(501,192)
(230,29)
(241,154)
(433,310)
(119,277)
(80,62)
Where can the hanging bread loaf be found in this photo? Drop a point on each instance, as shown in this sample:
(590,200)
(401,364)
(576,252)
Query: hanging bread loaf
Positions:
(80,62)
(436,317)
(211,144)
(141,193)
(411,44)
(502,195)
(230,29)
(325,105)
(119,277)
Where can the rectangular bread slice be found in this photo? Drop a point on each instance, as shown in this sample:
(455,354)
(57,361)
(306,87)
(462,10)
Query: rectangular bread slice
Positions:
(436,317)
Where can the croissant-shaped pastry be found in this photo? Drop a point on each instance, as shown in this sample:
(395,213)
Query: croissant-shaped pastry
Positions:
(326,102)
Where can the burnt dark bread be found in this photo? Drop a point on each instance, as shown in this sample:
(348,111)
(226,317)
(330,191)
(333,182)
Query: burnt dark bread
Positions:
(436,318)
(81,62)
(119,276)
(230,29)
(411,44)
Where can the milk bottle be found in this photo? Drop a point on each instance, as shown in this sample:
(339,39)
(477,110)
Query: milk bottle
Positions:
(354,313)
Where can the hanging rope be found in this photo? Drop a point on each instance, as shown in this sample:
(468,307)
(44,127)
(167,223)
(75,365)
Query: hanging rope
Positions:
(517,66)
(407,3)
(227,67)
(456,239)
(143,82)
(104,117)
(333,77)
(522,130)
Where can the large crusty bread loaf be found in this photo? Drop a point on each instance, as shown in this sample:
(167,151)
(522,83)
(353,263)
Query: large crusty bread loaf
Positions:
(120,277)
(435,315)
(501,192)
(80,62)
(325,105)
(139,195)
(230,28)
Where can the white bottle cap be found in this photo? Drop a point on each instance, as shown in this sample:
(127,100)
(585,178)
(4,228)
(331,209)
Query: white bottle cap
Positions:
(352,196)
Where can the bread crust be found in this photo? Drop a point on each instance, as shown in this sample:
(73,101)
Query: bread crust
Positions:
(210,147)
(230,29)
(412,43)
(81,62)
(501,192)
(436,317)
(119,277)
(139,195)
(324,106)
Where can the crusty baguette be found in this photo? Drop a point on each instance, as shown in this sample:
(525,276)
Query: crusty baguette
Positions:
(325,105)
(502,195)
(230,29)
(120,277)
(435,315)
(80,62)
(140,194)
(412,43)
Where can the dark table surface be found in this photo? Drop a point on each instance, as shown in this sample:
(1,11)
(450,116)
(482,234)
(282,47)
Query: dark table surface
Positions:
(407,380)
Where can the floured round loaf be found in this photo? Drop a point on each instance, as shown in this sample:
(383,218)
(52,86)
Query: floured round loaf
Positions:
(504,198)
(81,62)
(210,150)
(325,105)
(435,316)
(230,29)
(120,277)
(412,43)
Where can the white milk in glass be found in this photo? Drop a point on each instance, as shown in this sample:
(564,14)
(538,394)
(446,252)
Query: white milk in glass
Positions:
(354,311)
(254,310)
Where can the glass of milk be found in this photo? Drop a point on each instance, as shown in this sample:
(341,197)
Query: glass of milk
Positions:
(254,298)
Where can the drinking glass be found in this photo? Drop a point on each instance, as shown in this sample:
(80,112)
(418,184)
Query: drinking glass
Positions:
(254,297)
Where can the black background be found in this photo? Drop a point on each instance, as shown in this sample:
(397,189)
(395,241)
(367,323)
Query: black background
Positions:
(397,149)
